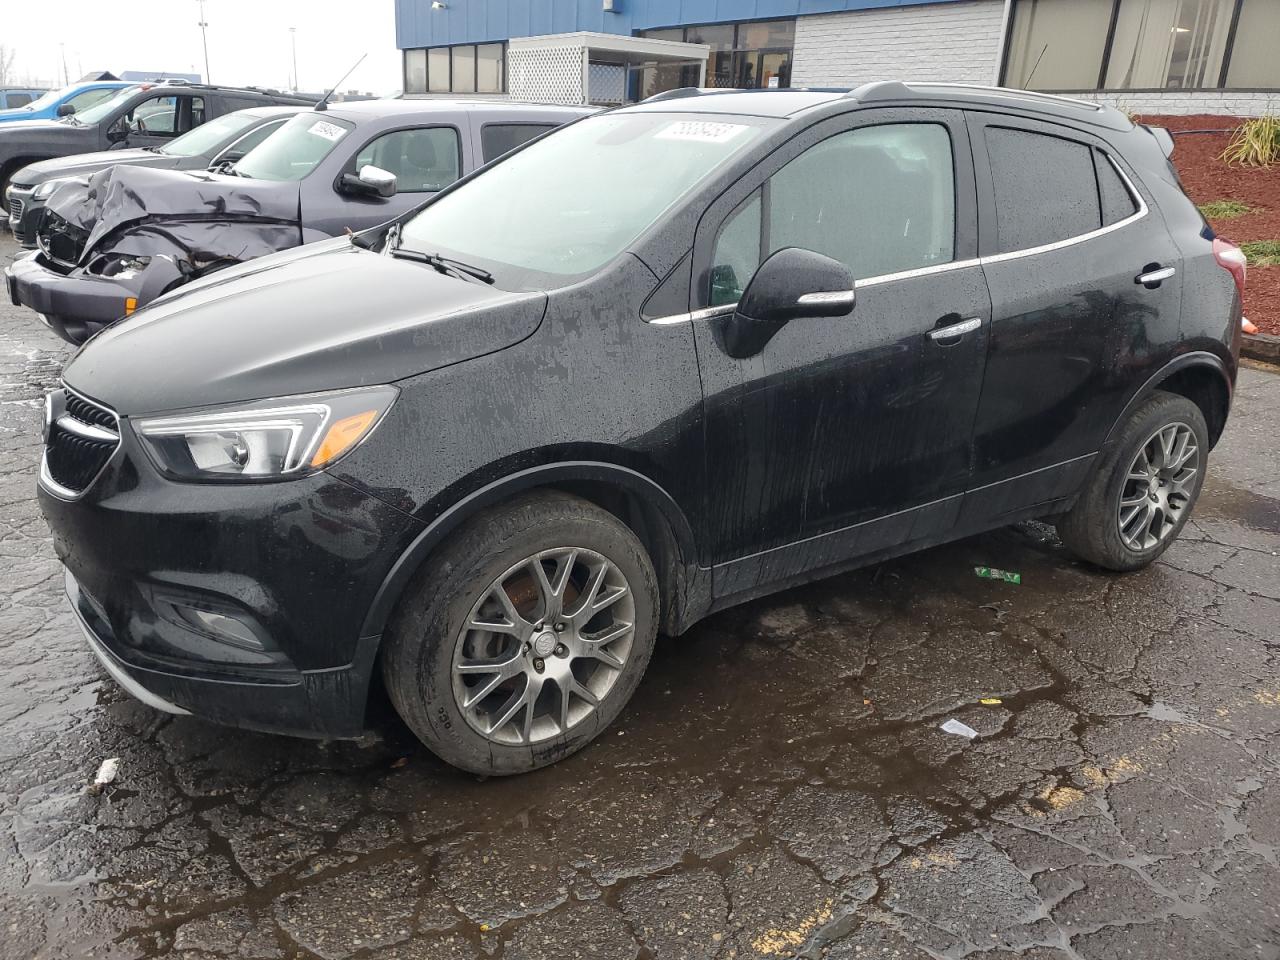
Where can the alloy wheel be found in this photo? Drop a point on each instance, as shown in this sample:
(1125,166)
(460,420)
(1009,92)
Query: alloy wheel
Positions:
(1158,487)
(543,646)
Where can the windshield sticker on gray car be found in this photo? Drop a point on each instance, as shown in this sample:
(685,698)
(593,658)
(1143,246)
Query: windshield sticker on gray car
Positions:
(330,131)
(705,131)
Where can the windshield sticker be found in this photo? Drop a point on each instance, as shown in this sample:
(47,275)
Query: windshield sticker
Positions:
(705,131)
(330,131)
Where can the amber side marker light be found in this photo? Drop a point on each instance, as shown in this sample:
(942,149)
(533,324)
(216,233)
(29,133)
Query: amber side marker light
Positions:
(342,436)
(130,305)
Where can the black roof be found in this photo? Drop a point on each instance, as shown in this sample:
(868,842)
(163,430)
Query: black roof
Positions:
(790,102)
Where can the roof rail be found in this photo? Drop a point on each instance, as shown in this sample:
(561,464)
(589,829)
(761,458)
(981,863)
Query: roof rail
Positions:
(898,90)
(680,93)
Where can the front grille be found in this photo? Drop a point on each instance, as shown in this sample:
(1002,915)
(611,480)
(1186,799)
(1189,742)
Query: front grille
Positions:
(80,442)
(17,208)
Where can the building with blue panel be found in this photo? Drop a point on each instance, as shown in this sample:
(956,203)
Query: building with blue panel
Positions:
(1170,56)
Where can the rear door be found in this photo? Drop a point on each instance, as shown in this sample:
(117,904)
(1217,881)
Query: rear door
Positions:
(851,434)
(424,159)
(1066,233)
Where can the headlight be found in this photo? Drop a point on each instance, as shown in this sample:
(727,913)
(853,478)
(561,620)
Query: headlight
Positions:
(43,191)
(267,440)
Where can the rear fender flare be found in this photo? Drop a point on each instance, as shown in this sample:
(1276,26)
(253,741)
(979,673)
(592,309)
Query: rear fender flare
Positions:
(1200,358)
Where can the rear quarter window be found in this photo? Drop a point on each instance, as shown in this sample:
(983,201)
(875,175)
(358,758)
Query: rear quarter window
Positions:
(1117,202)
(1046,189)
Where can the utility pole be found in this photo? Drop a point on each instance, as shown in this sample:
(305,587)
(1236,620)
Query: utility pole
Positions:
(62,49)
(204,37)
(293,40)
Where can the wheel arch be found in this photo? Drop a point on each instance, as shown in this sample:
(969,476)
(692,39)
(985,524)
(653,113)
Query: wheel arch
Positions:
(1202,377)
(637,501)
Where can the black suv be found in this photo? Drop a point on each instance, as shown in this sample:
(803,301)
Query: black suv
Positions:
(660,361)
(144,115)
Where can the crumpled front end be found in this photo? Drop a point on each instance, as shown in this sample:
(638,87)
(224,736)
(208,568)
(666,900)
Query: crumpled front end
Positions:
(110,245)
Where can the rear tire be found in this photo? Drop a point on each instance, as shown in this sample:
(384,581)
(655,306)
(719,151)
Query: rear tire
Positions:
(1142,492)
(553,670)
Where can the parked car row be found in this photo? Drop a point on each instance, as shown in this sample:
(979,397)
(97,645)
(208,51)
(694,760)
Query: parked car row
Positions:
(129,233)
(651,364)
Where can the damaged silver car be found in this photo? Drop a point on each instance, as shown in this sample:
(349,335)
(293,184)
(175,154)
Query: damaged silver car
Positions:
(110,244)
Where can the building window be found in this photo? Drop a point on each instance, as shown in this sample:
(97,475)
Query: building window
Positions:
(743,55)
(1143,44)
(467,68)
(1057,46)
(1169,44)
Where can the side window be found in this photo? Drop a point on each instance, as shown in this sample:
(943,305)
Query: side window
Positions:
(83,101)
(19,100)
(423,160)
(1032,211)
(499,138)
(879,199)
(737,253)
(157,116)
(1117,201)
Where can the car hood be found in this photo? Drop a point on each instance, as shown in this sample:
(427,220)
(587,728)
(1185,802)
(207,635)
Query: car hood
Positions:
(323,317)
(83,164)
(119,196)
(40,128)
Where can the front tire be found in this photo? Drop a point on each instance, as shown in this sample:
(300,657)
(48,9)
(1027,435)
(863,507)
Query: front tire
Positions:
(524,637)
(1143,491)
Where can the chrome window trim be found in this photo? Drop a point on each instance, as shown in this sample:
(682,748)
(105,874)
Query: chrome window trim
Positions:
(709,312)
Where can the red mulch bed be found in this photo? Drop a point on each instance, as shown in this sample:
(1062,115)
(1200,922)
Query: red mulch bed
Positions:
(1206,178)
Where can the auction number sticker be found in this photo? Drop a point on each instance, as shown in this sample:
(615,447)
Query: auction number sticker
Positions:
(705,131)
(330,131)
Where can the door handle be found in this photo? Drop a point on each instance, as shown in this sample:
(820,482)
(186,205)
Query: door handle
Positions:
(1153,278)
(954,330)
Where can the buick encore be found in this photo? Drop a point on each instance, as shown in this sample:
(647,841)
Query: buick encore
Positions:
(658,362)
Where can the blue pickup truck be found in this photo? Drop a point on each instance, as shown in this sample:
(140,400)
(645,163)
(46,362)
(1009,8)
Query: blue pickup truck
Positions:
(53,104)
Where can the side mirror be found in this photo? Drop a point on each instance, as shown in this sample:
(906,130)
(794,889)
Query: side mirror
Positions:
(117,133)
(370,182)
(66,110)
(790,284)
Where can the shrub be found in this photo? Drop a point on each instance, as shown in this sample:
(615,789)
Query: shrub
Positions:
(1256,142)
(1224,209)
(1262,253)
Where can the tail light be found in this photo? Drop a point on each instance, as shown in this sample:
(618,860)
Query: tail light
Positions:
(1232,259)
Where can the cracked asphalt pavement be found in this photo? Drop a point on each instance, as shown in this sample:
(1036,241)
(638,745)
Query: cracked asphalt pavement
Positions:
(779,787)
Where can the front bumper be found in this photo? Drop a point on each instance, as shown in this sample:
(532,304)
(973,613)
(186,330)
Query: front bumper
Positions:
(78,304)
(295,564)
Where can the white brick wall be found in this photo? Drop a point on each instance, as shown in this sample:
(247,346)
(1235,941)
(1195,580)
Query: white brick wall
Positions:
(1179,102)
(947,42)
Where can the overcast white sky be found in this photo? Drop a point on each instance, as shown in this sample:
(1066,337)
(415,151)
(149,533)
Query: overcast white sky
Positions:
(248,40)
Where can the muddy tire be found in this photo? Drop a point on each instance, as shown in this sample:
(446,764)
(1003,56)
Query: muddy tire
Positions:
(1142,493)
(523,637)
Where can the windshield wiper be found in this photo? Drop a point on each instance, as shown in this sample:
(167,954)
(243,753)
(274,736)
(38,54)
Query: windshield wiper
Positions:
(444,264)
(441,263)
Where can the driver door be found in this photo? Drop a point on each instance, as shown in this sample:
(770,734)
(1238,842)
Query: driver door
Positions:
(847,436)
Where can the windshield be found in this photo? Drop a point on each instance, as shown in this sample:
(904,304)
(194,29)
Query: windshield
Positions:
(295,149)
(574,200)
(99,111)
(208,137)
(47,100)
